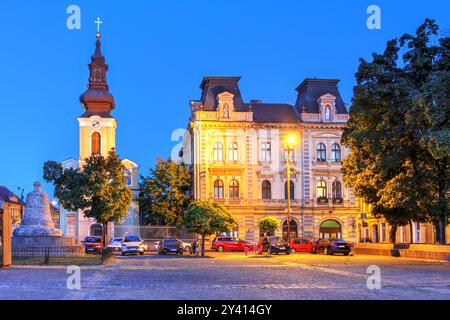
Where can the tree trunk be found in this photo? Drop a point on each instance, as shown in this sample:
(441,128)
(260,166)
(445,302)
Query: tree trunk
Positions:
(442,231)
(411,232)
(105,233)
(203,245)
(393,233)
(437,231)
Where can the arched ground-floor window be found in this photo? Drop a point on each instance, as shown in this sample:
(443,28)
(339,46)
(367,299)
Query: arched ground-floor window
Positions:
(330,229)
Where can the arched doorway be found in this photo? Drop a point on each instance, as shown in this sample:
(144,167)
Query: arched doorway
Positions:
(330,229)
(293,229)
(96,230)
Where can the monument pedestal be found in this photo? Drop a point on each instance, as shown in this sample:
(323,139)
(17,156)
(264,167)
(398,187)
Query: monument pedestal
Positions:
(37,235)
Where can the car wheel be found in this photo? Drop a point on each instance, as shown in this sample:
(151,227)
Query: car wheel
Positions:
(288,252)
(293,251)
(220,248)
(346,254)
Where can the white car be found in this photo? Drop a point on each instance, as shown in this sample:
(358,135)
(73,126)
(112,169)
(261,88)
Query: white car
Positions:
(133,245)
(115,244)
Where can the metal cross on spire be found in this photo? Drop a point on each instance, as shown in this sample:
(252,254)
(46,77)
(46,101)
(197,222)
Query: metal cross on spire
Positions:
(98,22)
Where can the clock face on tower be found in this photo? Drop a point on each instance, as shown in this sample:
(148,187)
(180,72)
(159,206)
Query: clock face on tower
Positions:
(95,124)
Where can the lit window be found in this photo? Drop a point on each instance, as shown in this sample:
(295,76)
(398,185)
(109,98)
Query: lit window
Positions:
(218,152)
(266,150)
(233,151)
(96,144)
(321,189)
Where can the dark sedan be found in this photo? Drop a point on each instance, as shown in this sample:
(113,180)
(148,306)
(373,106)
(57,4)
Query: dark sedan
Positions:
(170,245)
(332,246)
(275,245)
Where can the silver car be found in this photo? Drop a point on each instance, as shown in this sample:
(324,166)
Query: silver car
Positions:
(133,245)
(115,244)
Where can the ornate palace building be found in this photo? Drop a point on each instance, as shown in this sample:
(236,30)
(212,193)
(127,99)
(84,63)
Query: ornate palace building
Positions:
(97,136)
(238,158)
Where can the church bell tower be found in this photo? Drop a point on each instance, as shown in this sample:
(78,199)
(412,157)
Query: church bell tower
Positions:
(97,126)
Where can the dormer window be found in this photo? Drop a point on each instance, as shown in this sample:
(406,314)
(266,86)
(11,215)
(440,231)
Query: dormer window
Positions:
(327,105)
(327,113)
(226,110)
(226,106)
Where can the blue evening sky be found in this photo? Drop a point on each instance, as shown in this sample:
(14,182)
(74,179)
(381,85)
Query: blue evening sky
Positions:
(158,51)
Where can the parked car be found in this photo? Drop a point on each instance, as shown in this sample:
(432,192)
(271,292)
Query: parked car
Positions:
(132,245)
(230,244)
(332,246)
(275,245)
(93,244)
(115,244)
(170,245)
(186,245)
(301,245)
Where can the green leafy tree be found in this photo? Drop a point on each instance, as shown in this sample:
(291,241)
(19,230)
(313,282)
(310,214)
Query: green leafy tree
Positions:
(165,193)
(98,189)
(269,224)
(398,134)
(207,218)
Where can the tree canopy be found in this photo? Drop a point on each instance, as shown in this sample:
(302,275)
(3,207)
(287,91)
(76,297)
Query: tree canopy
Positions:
(98,188)
(165,193)
(398,132)
(269,224)
(207,218)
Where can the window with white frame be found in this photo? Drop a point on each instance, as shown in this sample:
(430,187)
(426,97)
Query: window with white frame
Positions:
(233,151)
(218,152)
(266,150)
(336,153)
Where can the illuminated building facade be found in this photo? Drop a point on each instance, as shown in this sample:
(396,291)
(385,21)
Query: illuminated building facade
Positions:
(238,158)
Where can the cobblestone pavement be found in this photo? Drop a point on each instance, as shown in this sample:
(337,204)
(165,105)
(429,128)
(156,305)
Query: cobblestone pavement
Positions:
(234,276)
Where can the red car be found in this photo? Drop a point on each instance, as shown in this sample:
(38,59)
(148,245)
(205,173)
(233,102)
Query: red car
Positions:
(93,244)
(230,244)
(301,245)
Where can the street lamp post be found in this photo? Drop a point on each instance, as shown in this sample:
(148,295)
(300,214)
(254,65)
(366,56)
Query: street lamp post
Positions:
(289,146)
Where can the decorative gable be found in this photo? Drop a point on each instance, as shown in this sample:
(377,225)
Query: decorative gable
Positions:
(327,107)
(226,106)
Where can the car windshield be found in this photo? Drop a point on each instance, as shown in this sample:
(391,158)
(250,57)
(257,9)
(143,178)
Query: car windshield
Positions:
(276,239)
(116,240)
(132,239)
(92,240)
(170,241)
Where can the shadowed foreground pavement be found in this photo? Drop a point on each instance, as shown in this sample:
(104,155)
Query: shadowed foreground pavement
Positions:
(234,276)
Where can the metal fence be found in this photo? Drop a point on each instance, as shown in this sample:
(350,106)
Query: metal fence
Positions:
(154,233)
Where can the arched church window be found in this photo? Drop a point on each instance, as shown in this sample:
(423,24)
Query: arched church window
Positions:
(96,141)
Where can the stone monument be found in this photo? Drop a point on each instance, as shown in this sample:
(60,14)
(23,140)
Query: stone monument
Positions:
(37,235)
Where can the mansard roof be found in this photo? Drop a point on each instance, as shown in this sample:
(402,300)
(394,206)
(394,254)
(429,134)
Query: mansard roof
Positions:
(213,86)
(274,112)
(310,90)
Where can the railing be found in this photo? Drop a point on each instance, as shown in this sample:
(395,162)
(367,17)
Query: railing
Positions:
(216,116)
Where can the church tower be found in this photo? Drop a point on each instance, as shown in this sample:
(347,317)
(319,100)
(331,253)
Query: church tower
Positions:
(96,125)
